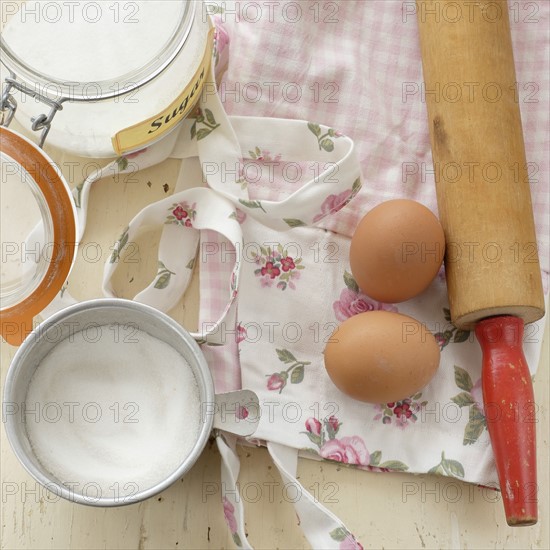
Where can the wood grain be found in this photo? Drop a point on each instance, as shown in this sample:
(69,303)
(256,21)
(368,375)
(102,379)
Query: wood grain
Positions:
(482,181)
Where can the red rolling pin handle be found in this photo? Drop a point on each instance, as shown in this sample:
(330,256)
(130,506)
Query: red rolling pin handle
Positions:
(510,413)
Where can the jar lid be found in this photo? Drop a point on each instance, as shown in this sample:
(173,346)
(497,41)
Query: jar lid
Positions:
(38,233)
(65,49)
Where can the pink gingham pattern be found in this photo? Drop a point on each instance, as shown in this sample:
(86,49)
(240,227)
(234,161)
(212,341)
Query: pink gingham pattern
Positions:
(215,271)
(356,66)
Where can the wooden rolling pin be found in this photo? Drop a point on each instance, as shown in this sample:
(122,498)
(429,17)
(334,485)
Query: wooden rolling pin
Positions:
(492,268)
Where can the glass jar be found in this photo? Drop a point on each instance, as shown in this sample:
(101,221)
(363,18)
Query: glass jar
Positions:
(96,79)
(101,79)
(38,233)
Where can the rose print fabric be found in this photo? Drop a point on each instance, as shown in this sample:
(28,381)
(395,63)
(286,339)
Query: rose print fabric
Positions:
(281,359)
(446,419)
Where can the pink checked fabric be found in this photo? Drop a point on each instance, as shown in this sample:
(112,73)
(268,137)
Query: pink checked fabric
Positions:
(356,66)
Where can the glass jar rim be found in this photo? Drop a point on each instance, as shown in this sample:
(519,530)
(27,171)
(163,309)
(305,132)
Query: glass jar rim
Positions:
(15,318)
(123,84)
(15,290)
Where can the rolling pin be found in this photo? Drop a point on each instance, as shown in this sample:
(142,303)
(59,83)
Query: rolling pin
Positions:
(482,183)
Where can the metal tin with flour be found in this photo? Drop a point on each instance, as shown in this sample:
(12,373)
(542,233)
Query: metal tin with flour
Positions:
(220,411)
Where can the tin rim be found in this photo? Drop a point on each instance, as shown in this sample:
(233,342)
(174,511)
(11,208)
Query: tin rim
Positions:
(205,383)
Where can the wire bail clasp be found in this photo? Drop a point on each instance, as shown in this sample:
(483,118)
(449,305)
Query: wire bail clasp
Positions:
(8,106)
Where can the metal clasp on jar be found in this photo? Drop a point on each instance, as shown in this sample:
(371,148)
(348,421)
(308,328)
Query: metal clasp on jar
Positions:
(8,106)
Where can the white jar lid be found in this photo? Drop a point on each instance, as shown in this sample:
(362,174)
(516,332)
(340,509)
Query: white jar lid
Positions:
(91,50)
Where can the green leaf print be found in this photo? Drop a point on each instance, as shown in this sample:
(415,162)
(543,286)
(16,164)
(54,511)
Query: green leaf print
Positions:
(474,428)
(163,277)
(375,458)
(448,467)
(191,264)
(437,470)
(202,133)
(476,422)
(209,116)
(463,399)
(453,468)
(463,380)
(278,380)
(395,465)
(293,222)
(252,204)
(339,534)
(237,540)
(451,333)
(285,356)
(324,140)
(119,246)
(207,119)
(297,375)
(350,282)
(256,154)
(122,163)
(77,194)
(163,281)
(315,129)
(327,144)
(461,336)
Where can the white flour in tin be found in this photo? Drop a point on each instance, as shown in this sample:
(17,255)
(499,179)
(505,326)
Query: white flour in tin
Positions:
(112,416)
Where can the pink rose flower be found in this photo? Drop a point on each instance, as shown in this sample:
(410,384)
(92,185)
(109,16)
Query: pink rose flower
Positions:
(277,381)
(271,270)
(229,513)
(477,394)
(332,204)
(313,426)
(180,212)
(349,450)
(288,263)
(350,543)
(334,423)
(266,283)
(240,215)
(351,303)
(403,410)
(266,157)
(241,334)
(242,412)
(442,339)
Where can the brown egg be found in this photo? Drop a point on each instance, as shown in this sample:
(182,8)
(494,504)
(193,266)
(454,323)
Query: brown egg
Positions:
(380,357)
(397,250)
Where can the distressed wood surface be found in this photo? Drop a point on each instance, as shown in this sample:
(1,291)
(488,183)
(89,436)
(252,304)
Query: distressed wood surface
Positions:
(383,510)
